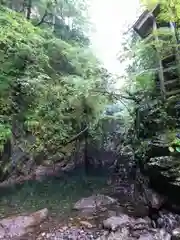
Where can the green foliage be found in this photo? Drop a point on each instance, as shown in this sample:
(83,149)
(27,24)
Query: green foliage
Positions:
(175,145)
(149,113)
(5,133)
(67,19)
(170,10)
(46,82)
(145,81)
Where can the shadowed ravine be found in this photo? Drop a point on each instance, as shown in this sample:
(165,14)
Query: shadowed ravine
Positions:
(63,222)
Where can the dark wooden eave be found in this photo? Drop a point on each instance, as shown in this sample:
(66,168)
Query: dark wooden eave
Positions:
(144,25)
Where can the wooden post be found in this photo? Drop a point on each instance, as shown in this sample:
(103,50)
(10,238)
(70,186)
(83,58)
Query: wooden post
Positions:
(86,159)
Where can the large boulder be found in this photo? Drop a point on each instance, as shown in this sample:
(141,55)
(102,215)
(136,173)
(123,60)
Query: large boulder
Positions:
(176,234)
(124,227)
(115,222)
(122,234)
(93,202)
(164,173)
(17,226)
(163,167)
(165,164)
(157,149)
(122,220)
(168,221)
(154,199)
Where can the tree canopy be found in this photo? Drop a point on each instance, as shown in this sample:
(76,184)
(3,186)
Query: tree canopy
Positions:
(50,83)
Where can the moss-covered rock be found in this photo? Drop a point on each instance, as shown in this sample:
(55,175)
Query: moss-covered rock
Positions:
(164,173)
(162,166)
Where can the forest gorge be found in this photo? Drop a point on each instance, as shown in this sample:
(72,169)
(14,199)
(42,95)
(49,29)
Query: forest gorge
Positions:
(50,77)
(81,159)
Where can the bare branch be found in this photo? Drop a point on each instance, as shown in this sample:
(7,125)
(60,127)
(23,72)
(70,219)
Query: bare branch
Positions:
(77,136)
(43,18)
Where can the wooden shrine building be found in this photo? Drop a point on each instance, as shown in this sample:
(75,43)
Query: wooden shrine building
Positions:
(168,74)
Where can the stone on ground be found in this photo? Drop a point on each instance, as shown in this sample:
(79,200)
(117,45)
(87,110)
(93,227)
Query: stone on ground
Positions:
(93,202)
(18,226)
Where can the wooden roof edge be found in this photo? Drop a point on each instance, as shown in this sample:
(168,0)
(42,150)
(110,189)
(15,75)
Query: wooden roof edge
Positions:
(155,11)
(139,19)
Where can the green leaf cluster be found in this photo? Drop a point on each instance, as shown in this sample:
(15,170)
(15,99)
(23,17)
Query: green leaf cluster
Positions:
(46,83)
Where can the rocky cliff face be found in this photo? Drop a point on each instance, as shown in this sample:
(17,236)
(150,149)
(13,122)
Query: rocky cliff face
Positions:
(18,164)
(163,169)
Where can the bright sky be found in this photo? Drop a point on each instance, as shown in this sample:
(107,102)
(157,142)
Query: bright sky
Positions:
(111,18)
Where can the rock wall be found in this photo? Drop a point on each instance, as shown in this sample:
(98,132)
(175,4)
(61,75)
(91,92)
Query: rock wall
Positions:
(104,151)
(18,164)
(163,169)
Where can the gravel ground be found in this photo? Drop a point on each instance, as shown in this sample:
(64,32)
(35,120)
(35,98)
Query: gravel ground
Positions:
(72,233)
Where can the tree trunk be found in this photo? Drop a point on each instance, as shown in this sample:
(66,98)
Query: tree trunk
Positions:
(86,159)
(29,7)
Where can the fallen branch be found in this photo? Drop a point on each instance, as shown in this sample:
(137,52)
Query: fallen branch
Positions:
(42,19)
(76,137)
(119,96)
